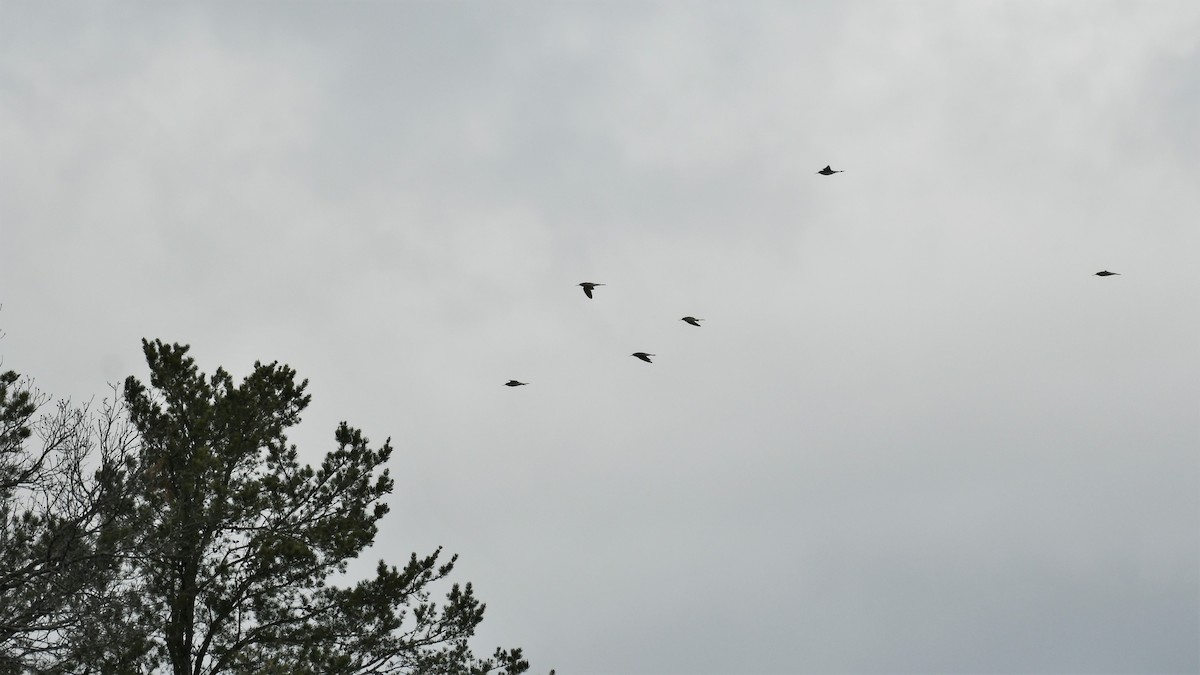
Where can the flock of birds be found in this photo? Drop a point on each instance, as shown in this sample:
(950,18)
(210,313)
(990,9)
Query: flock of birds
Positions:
(589,287)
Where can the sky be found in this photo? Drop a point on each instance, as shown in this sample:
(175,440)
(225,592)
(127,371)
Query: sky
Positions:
(914,434)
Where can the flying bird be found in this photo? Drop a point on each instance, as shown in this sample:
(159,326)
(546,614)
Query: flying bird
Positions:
(514,383)
(588,286)
(828,171)
(692,320)
(643,356)
(1106,273)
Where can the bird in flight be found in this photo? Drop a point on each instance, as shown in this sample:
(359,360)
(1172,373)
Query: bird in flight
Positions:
(643,356)
(692,320)
(588,286)
(514,383)
(828,171)
(1106,273)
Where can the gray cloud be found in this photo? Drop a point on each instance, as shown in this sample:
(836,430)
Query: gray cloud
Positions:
(914,435)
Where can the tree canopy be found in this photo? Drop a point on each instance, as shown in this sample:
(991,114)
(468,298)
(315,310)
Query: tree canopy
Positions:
(60,530)
(216,551)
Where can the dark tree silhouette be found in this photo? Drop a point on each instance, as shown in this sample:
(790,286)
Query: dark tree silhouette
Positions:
(175,531)
(237,542)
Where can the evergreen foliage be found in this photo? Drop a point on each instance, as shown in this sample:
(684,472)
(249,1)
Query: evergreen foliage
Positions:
(215,550)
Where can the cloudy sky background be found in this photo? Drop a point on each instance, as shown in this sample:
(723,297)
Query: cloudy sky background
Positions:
(915,433)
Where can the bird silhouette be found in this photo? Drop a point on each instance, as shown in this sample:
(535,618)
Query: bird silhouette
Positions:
(692,320)
(643,356)
(1106,273)
(514,383)
(828,171)
(588,286)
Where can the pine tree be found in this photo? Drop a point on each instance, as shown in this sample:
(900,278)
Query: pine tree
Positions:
(237,542)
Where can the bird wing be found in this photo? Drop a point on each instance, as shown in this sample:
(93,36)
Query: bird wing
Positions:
(587,290)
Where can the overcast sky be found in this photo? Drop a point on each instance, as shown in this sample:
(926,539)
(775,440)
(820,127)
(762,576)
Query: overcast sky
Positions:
(915,433)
